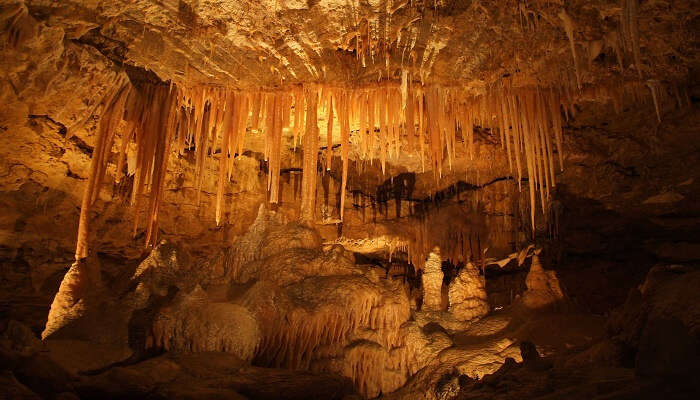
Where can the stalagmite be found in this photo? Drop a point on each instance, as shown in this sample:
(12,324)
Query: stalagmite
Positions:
(543,288)
(432,282)
(467,294)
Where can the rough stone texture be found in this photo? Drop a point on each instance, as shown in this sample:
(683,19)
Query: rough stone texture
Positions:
(19,340)
(265,43)
(296,306)
(543,289)
(159,304)
(432,282)
(659,323)
(467,293)
(193,323)
(54,79)
(317,310)
(81,285)
(626,200)
(12,389)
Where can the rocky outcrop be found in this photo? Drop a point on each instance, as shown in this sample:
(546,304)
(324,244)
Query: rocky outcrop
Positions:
(12,389)
(660,322)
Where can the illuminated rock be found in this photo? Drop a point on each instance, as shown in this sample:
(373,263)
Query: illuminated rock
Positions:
(467,294)
(432,282)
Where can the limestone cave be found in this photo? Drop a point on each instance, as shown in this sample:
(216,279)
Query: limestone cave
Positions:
(349,199)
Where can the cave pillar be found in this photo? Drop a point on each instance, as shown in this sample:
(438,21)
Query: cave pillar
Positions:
(432,282)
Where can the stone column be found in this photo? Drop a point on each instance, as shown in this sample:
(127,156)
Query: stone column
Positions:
(432,282)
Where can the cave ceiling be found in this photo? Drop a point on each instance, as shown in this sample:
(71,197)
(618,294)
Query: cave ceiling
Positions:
(272,43)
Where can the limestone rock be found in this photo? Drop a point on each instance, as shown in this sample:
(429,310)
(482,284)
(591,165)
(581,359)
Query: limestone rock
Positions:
(211,376)
(79,287)
(543,289)
(660,321)
(193,323)
(467,294)
(16,340)
(13,390)
(432,282)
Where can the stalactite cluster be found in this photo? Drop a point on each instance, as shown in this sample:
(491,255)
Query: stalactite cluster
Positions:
(151,120)
(528,122)
(383,122)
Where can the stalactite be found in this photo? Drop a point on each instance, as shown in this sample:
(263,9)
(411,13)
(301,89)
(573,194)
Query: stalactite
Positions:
(554,111)
(224,155)
(256,107)
(111,115)
(654,88)
(569,28)
(421,132)
(161,153)
(344,146)
(383,127)
(299,115)
(371,109)
(308,199)
(329,133)
(275,118)
(409,120)
(242,123)
(630,32)
(363,133)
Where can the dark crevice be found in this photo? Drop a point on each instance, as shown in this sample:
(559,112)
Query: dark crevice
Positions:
(62,130)
(115,51)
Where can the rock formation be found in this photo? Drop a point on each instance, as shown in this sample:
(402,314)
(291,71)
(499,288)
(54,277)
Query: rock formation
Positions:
(467,293)
(425,199)
(432,282)
(543,289)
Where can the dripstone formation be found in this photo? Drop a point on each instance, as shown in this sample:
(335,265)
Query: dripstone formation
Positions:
(396,199)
